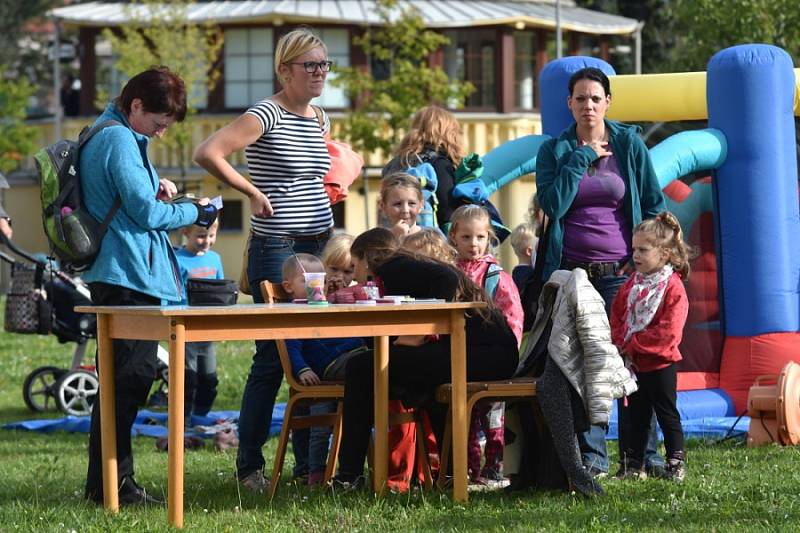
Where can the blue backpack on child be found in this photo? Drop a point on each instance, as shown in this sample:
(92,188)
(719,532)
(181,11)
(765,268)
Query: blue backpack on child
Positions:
(492,279)
(426,175)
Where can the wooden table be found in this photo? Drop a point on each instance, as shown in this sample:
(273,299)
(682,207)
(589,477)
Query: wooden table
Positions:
(179,324)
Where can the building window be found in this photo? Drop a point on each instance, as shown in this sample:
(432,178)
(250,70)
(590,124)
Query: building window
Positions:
(338,42)
(472,56)
(524,67)
(249,74)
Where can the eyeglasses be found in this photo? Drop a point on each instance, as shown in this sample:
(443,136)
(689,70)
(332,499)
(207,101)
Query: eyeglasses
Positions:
(311,66)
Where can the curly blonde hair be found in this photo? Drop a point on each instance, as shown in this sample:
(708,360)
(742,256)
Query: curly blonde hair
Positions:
(432,126)
(431,243)
(664,231)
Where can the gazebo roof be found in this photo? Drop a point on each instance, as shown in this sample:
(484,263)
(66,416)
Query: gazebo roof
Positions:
(436,14)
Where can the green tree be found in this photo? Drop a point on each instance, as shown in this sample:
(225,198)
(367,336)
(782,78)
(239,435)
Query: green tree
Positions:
(384,103)
(712,25)
(160,34)
(16,138)
(658,34)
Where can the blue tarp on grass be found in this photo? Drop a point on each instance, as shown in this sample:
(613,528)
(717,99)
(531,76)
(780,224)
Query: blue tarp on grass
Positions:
(148,423)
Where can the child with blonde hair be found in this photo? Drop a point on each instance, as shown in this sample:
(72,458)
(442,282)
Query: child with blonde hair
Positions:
(431,243)
(338,263)
(647,320)
(523,242)
(434,137)
(400,202)
(471,234)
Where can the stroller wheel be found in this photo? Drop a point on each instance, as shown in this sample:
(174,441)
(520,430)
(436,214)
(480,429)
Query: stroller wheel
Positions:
(75,392)
(39,388)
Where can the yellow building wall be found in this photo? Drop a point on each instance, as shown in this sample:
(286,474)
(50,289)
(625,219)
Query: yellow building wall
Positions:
(482,132)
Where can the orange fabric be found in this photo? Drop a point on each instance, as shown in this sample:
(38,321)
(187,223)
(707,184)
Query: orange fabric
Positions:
(745,358)
(403,451)
(346,166)
(698,380)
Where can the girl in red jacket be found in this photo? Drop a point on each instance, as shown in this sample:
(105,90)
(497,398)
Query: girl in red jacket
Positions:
(647,320)
(471,234)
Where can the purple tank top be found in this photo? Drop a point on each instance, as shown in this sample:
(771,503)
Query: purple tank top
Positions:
(595,227)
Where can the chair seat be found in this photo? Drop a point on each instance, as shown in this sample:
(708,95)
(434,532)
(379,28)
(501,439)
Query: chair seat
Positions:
(514,387)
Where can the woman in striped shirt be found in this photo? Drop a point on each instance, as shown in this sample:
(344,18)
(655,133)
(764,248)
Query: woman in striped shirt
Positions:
(284,139)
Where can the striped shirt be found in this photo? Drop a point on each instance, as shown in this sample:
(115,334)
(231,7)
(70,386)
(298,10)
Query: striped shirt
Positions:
(287,163)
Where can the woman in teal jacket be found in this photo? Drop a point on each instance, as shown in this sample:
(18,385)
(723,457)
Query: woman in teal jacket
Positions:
(136,264)
(595,183)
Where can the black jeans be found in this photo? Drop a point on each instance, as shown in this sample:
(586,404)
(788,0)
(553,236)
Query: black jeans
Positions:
(135,367)
(657,392)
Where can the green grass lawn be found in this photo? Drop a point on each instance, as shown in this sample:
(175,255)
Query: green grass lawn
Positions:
(728,487)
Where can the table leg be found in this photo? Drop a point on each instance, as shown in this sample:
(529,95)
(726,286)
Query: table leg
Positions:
(380,462)
(108,414)
(176,406)
(460,421)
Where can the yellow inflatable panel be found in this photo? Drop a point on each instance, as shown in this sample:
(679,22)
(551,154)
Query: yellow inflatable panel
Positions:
(665,97)
(658,97)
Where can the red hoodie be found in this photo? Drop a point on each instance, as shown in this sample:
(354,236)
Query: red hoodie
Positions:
(506,299)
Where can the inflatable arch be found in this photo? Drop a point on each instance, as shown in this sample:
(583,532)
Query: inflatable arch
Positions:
(749,95)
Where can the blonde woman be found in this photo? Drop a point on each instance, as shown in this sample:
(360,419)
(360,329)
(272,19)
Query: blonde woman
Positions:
(434,137)
(284,140)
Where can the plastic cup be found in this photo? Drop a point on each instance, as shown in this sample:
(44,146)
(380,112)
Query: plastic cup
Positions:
(315,286)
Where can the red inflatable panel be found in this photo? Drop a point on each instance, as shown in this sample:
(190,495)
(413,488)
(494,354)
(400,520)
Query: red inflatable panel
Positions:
(698,380)
(745,358)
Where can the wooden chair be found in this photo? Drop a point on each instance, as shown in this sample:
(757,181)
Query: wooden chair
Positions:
(306,394)
(519,388)
(300,394)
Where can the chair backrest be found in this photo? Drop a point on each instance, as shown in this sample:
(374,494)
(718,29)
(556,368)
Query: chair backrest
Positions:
(274,293)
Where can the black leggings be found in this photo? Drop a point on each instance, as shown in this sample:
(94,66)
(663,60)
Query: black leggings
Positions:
(420,368)
(657,392)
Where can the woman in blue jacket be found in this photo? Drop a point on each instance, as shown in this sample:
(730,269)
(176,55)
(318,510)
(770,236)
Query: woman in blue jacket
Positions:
(595,182)
(136,264)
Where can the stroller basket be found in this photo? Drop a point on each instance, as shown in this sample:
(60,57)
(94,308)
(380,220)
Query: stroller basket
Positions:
(27,308)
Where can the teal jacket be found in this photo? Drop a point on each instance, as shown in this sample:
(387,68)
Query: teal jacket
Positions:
(135,252)
(561,164)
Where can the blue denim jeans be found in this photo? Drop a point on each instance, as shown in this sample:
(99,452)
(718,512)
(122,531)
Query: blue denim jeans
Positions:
(311,446)
(265,261)
(593,442)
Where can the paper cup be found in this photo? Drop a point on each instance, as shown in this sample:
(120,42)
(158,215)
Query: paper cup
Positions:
(315,286)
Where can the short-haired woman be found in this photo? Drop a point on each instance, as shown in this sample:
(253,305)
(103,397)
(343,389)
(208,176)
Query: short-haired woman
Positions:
(136,264)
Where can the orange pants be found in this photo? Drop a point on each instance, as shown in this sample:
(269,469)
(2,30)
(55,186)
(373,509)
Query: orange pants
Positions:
(403,464)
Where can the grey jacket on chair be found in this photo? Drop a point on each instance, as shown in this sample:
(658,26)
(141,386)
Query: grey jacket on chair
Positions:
(580,342)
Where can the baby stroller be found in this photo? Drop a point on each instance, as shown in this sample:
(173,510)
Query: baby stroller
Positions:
(41,300)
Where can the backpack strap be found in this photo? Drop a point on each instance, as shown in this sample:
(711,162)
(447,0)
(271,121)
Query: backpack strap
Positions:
(318,112)
(83,138)
(492,279)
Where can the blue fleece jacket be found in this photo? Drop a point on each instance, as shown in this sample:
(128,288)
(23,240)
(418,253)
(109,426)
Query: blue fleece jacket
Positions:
(561,164)
(317,354)
(135,252)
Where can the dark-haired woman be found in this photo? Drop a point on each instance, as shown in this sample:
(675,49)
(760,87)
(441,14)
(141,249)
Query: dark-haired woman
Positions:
(416,364)
(136,264)
(595,182)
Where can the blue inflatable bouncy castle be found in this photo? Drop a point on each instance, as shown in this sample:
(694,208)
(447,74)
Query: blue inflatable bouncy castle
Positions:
(749,100)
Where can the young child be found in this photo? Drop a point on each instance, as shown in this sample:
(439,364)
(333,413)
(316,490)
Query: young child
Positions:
(647,320)
(196,259)
(471,233)
(524,243)
(400,203)
(431,243)
(314,360)
(338,263)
